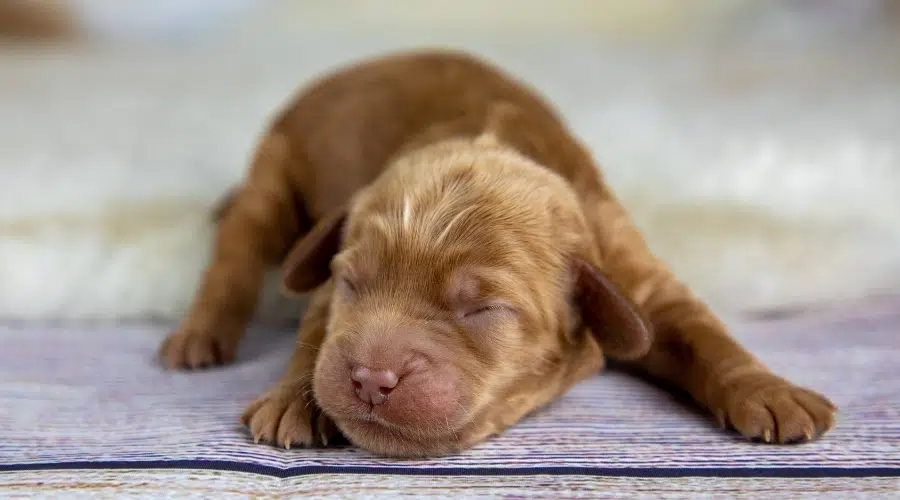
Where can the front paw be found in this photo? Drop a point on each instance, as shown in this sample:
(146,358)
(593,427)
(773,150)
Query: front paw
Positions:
(191,348)
(287,415)
(766,408)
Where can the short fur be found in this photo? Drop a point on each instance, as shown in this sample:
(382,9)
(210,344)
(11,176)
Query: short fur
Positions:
(454,231)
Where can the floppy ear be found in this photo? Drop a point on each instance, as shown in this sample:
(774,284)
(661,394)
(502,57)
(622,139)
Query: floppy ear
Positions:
(308,264)
(613,320)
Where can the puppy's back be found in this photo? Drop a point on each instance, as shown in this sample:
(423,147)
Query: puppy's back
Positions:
(345,127)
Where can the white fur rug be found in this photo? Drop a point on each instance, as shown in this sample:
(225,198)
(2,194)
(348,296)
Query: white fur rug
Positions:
(765,182)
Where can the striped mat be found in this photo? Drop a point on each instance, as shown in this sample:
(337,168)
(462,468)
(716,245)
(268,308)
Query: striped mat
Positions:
(84,411)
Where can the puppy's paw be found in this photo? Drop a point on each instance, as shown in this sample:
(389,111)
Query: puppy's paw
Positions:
(188,348)
(766,408)
(287,416)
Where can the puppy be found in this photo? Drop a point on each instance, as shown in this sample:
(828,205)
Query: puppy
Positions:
(468,265)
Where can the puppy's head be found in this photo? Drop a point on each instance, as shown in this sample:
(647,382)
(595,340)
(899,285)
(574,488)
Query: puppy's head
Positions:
(466,294)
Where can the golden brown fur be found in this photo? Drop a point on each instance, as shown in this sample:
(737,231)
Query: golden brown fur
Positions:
(455,232)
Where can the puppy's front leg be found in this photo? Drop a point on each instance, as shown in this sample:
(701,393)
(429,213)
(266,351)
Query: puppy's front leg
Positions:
(254,232)
(693,350)
(287,413)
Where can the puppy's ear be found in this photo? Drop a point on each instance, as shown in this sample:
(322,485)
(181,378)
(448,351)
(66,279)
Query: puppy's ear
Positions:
(308,264)
(613,320)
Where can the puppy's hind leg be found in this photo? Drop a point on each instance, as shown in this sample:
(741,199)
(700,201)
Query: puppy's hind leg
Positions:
(257,224)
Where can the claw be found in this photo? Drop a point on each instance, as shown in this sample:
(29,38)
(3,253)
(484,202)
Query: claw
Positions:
(767,436)
(287,444)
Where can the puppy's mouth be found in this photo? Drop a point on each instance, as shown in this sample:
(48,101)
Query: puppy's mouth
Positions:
(370,423)
(422,409)
(370,416)
(377,434)
(419,405)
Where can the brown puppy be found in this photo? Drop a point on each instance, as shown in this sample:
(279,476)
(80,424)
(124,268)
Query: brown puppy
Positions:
(469,265)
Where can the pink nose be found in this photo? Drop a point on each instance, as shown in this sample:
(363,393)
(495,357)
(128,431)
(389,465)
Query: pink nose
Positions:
(373,387)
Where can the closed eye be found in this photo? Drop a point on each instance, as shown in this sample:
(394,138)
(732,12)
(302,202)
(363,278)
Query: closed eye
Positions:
(348,285)
(482,310)
(492,308)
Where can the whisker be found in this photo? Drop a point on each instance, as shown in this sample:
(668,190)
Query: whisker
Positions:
(306,345)
(452,432)
(299,380)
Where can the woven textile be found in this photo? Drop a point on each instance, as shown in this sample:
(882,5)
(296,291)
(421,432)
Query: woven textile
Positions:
(85,410)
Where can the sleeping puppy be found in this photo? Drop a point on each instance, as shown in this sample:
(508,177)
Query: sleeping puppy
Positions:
(468,265)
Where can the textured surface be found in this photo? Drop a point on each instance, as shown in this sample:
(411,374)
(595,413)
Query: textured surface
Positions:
(91,397)
(135,483)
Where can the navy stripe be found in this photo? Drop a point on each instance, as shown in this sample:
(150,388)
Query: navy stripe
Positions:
(661,472)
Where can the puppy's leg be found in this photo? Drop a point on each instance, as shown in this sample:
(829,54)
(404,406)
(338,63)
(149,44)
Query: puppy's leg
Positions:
(692,348)
(255,230)
(287,413)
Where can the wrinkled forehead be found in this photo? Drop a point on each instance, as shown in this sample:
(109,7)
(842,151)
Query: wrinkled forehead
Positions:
(481,208)
(460,249)
(453,223)
(460,188)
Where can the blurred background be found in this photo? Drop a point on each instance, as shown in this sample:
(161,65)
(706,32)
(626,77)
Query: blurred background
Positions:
(756,142)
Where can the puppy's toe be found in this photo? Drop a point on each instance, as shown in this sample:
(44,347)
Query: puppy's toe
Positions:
(769,409)
(819,408)
(752,419)
(191,349)
(295,426)
(284,417)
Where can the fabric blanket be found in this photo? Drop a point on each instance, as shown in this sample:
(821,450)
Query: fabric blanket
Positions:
(86,411)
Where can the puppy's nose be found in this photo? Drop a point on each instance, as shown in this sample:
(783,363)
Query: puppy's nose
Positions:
(373,386)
